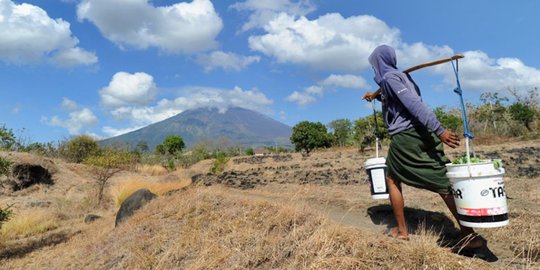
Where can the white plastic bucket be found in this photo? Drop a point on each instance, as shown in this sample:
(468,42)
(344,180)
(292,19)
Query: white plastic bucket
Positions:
(479,193)
(376,171)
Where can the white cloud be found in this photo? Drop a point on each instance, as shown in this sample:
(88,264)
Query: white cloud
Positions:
(129,89)
(264,11)
(344,81)
(332,82)
(79,118)
(194,97)
(330,42)
(113,132)
(178,28)
(226,61)
(74,56)
(314,90)
(479,71)
(144,115)
(301,98)
(69,104)
(29,35)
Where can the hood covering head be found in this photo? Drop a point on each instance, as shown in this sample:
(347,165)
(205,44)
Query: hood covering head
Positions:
(383,60)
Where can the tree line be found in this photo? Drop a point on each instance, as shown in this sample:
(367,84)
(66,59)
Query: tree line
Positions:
(495,115)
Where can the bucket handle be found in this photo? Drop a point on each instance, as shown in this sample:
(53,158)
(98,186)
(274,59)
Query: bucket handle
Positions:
(377,142)
(466,132)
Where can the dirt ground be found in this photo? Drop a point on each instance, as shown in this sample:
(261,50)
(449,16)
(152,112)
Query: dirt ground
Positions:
(331,183)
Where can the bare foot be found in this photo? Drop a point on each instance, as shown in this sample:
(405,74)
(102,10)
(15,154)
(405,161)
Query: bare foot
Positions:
(395,233)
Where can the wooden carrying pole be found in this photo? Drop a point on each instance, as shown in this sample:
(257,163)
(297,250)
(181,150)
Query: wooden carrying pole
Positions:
(417,67)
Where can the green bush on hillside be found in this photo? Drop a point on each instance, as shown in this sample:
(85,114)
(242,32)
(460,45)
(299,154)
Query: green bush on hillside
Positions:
(78,148)
(5,215)
(522,113)
(220,163)
(171,145)
(105,164)
(7,138)
(5,166)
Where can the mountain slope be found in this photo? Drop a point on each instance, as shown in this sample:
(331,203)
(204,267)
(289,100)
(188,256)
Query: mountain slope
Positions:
(241,126)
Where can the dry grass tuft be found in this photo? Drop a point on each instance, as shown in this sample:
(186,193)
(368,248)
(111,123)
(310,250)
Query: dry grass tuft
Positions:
(153,170)
(123,190)
(216,229)
(29,223)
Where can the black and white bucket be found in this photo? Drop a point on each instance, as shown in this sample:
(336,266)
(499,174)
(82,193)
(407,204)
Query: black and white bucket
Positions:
(376,171)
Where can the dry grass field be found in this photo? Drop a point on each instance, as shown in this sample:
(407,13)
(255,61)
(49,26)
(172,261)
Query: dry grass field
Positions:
(275,212)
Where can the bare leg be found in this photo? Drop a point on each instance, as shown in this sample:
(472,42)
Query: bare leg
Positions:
(467,233)
(398,205)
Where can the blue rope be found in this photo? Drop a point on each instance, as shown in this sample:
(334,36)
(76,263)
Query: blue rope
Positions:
(466,131)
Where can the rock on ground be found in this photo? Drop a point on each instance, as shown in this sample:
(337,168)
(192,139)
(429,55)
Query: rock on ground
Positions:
(135,201)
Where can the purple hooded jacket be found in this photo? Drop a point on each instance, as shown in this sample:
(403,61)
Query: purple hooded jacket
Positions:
(401,102)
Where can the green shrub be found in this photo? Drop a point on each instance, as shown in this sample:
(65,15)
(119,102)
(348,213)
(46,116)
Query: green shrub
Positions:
(219,164)
(5,166)
(522,113)
(7,138)
(5,215)
(106,164)
(172,145)
(79,148)
(448,120)
(365,132)
(170,164)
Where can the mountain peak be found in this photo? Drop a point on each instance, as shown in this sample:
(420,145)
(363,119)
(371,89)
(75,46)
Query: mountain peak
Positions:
(242,127)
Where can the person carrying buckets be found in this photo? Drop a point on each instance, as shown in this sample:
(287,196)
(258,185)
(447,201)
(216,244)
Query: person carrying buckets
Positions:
(415,155)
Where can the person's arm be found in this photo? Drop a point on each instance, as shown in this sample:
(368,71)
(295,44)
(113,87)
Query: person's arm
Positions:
(414,105)
(420,111)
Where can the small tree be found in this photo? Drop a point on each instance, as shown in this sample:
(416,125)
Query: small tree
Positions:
(447,119)
(106,164)
(171,145)
(7,138)
(249,151)
(364,130)
(307,136)
(219,164)
(342,131)
(522,113)
(79,148)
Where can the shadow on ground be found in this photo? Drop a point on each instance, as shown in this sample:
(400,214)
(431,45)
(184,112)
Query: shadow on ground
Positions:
(28,246)
(417,220)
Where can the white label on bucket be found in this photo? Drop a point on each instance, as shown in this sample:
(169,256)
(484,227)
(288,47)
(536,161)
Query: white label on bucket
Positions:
(379,183)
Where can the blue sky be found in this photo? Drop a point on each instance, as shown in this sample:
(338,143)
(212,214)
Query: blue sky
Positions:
(103,67)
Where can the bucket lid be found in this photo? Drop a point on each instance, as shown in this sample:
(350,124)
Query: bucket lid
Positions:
(374,161)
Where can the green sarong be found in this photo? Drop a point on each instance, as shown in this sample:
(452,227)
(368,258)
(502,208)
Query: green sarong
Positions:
(416,158)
